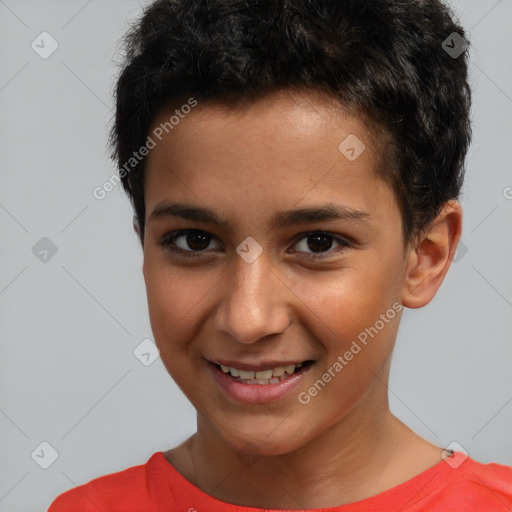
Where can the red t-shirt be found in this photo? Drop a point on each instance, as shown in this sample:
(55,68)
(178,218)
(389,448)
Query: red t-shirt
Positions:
(457,484)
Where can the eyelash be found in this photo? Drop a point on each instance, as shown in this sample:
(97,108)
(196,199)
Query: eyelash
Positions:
(168,239)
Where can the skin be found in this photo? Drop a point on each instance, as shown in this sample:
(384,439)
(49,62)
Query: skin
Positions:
(281,153)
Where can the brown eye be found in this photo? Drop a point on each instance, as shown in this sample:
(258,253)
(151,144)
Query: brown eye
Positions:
(318,245)
(188,242)
(319,242)
(197,241)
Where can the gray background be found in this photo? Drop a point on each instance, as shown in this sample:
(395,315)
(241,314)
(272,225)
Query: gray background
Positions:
(69,325)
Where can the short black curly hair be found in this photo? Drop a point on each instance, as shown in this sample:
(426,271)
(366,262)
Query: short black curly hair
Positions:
(384,58)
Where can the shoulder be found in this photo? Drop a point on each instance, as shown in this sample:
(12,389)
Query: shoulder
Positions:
(125,490)
(471,485)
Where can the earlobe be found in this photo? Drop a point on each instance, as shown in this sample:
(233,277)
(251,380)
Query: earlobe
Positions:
(136,226)
(429,261)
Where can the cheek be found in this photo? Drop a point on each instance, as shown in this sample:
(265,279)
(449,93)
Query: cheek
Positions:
(177,304)
(357,325)
(172,304)
(172,291)
(345,302)
(345,315)
(170,299)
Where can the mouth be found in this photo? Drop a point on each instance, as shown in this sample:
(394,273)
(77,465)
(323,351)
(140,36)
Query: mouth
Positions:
(259,384)
(264,377)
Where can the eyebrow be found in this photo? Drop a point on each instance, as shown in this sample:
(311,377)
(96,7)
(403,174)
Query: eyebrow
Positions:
(329,211)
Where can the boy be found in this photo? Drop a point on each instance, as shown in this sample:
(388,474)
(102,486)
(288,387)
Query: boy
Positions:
(294,167)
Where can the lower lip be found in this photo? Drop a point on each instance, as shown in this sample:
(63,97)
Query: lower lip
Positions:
(257,393)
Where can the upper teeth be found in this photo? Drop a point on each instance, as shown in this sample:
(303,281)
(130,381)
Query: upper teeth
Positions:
(262,374)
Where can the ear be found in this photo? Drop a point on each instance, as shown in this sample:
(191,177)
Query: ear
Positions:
(428,261)
(136,226)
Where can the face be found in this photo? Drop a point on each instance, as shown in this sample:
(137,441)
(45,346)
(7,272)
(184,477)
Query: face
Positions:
(269,265)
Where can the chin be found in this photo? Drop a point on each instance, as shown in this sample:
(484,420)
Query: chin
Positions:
(264,439)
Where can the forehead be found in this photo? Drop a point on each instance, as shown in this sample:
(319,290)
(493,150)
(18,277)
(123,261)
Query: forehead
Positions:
(289,147)
(280,113)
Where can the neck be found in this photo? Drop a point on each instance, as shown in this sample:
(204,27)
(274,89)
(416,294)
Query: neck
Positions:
(365,453)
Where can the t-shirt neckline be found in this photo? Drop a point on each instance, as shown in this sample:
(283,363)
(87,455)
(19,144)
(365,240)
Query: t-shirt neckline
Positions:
(406,493)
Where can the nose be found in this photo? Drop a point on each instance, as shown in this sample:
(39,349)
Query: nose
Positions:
(253,302)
